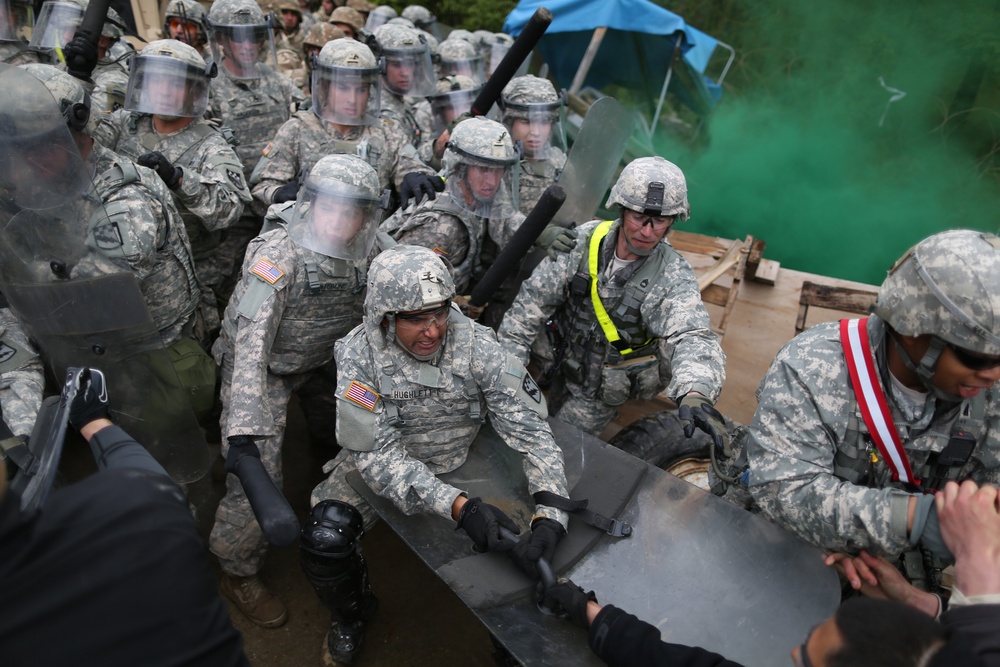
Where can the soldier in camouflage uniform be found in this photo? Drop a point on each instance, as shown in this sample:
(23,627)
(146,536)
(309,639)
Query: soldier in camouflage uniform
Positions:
(934,339)
(422,19)
(415,381)
(16,22)
(457,56)
(532,111)
(476,214)
(377,16)
(316,38)
(349,20)
(407,73)
(253,99)
(343,119)
(652,332)
(22,379)
(453,97)
(186,21)
(292,30)
(301,289)
(161,128)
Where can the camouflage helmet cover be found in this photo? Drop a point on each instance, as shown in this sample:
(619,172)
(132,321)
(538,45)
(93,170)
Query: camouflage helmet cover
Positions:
(236,12)
(362,6)
(186,9)
(319,34)
(526,92)
(175,49)
(948,285)
(351,17)
(173,63)
(419,14)
(73,102)
(290,5)
(399,20)
(385,10)
(456,49)
(405,278)
(652,185)
(347,53)
(481,142)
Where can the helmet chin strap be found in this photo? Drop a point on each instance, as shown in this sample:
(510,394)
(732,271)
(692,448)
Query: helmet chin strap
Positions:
(925,369)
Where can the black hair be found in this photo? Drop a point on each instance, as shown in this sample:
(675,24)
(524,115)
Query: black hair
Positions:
(880,633)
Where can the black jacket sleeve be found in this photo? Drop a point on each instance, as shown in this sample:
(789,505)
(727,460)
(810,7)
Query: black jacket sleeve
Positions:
(622,640)
(978,624)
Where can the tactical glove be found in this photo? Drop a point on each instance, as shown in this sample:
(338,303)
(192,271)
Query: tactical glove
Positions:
(545,536)
(555,239)
(240,446)
(286,192)
(482,522)
(926,531)
(167,172)
(91,401)
(571,599)
(697,411)
(81,57)
(416,184)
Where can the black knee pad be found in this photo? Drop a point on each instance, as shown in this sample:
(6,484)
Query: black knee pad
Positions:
(332,560)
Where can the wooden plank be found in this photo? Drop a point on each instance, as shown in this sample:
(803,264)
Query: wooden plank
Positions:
(767,271)
(588,60)
(833,297)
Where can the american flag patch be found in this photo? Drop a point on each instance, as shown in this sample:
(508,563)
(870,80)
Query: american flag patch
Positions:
(269,272)
(267,149)
(440,252)
(362,395)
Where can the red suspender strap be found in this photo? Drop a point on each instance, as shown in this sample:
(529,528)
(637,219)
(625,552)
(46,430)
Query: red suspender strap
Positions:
(871,399)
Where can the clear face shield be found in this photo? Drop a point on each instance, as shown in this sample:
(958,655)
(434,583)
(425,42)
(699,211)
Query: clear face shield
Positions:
(446,107)
(538,127)
(57,23)
(336,220)
(166,86)
(409,72)
(240,50)
(470,67)
(345,95)
(486,188)
(374,20)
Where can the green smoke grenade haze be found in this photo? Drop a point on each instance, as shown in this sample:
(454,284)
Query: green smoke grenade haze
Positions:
(796,155)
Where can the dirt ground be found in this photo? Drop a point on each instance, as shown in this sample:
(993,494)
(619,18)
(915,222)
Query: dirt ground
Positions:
(419,620)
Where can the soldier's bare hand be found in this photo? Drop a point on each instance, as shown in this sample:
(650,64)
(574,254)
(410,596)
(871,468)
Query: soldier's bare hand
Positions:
(969,516)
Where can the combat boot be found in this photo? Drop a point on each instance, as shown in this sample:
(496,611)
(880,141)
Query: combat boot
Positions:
(343,640)
(253,599)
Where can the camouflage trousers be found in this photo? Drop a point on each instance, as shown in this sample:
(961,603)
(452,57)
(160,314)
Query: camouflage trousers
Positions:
(336,487)
(236,537)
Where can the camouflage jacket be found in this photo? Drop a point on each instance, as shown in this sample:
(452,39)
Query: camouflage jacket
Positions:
(289,308)
(672,311)
(806,407)
(397,109)
(254,109)
(305,138)
(406,421)
(536,175)
(22,377)
(212,192)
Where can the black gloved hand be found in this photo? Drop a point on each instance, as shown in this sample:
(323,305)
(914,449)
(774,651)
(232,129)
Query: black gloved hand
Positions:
(81,57)
(91,401)
(545,536)
(482,522)
(697,411)
(286,192)
(416,184)
(167,172)
(240,446)
(571,599)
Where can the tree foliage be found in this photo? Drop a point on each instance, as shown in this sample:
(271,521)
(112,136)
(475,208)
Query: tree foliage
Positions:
(468,14)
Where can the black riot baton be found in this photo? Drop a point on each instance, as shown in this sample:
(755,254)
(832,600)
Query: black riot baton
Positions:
(518,53)
(275,516)
(508,261)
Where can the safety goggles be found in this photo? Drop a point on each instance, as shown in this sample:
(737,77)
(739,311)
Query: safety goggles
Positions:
(423,320)
(176,23)
(972,360)
(638,220)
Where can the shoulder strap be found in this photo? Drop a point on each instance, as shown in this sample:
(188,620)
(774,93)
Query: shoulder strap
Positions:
(871,399)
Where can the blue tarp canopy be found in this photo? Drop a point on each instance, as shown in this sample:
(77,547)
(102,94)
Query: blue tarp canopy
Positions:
(636,51)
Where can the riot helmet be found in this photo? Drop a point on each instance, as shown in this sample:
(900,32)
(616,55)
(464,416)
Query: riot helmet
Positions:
(947,286)
(185,21)
(496,50)
(318,35)
(57,23)
(482,39)
(347,19)
(404,279)
(399,20)
(422,18)
(653,186)
(379,16)
(337,210)
(169,78)
(481,167)
(406,61)
(457,56)
(533,112)
(345,83)
(241,37)
(454,97)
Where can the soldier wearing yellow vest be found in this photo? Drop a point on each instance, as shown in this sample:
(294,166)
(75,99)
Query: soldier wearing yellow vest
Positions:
(628,311)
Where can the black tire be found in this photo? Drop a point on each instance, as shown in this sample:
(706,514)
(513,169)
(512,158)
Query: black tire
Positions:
(659,440)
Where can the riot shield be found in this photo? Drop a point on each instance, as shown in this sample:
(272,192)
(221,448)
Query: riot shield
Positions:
(593,159)
(703,571)
(80,307)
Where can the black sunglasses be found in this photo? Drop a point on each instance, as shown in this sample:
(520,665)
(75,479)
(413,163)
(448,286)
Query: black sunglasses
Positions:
(973,361)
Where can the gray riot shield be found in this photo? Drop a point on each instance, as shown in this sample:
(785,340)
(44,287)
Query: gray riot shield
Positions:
(703,571)
(593,159)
